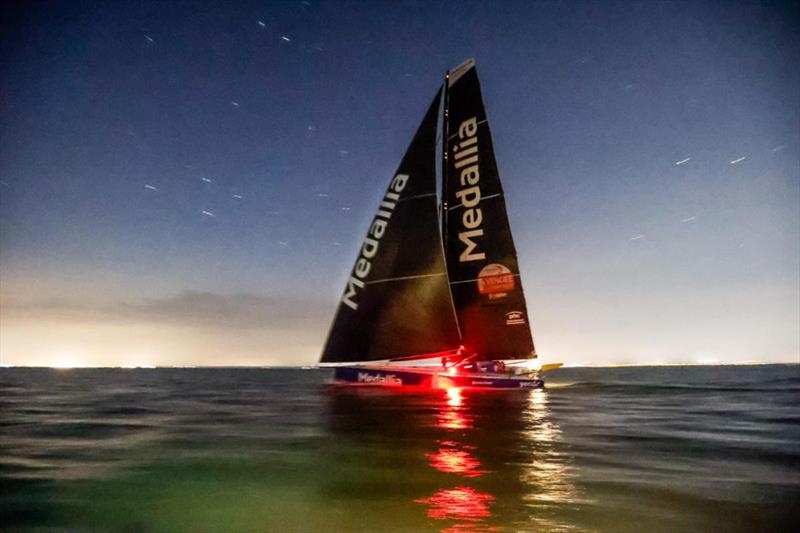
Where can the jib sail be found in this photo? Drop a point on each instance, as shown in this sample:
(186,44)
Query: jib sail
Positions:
(481,258)
(396,302)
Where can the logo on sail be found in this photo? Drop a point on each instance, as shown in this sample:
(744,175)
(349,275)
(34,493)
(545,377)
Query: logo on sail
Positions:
(515,318)
(465,160)
(370,247)
(495,281)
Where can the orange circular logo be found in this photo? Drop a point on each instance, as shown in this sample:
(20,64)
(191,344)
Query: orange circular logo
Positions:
(495,280)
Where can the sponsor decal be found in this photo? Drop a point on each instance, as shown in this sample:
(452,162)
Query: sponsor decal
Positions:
(495,281)
(465,163)
(386,379)
(514,318)
(371,244)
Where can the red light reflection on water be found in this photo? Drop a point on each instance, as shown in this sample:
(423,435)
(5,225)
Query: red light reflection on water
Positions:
(464,507)
(454,397)
(453,416)
(450,460)
(459,503)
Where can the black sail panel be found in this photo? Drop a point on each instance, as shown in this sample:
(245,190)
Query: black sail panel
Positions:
(481,258)
(397,302)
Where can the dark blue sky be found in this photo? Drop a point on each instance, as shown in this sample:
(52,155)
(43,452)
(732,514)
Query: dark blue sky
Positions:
(298,113)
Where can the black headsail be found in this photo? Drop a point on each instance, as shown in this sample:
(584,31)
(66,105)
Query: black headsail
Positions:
(481,258)
(397,302)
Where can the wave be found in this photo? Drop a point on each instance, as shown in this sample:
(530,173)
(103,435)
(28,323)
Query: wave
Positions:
(792,385)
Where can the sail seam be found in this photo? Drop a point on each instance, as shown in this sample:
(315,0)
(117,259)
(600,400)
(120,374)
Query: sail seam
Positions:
(416,196)
(471,280)
(404,277)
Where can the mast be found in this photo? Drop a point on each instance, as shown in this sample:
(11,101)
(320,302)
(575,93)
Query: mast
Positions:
(443,203)
(445,136)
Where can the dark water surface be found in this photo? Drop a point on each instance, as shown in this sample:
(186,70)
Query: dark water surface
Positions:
(626,449)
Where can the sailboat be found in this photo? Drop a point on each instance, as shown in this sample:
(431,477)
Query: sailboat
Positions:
(437,277)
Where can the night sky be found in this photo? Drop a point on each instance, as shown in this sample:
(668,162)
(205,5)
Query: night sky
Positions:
(188,183)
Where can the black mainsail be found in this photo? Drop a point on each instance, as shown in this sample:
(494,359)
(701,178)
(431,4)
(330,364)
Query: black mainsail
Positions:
(397,301)
(480,254)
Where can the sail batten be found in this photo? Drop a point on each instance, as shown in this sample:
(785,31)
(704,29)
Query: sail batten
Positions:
(426,195)
(473,280)
(483,199)
(402,278)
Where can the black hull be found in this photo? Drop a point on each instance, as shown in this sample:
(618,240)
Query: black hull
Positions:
(430,378)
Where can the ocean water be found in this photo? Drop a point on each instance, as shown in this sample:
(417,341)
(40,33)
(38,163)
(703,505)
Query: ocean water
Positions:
(614,449)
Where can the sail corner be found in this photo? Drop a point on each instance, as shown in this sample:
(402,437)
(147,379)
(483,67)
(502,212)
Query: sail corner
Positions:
(459,71)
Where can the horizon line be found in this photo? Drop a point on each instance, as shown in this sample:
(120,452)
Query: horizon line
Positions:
(317,367)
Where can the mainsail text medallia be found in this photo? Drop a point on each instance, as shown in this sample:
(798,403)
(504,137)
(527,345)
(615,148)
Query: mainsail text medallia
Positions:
(438,280)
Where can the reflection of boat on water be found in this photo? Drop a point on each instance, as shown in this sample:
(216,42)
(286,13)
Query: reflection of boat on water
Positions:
(461,459)
(438,280)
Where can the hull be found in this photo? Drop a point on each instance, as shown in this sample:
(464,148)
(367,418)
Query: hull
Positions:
(430,378)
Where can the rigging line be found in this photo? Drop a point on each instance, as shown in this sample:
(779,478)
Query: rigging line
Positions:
(471,280)
(482,199)
(453,136)
(404,277)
